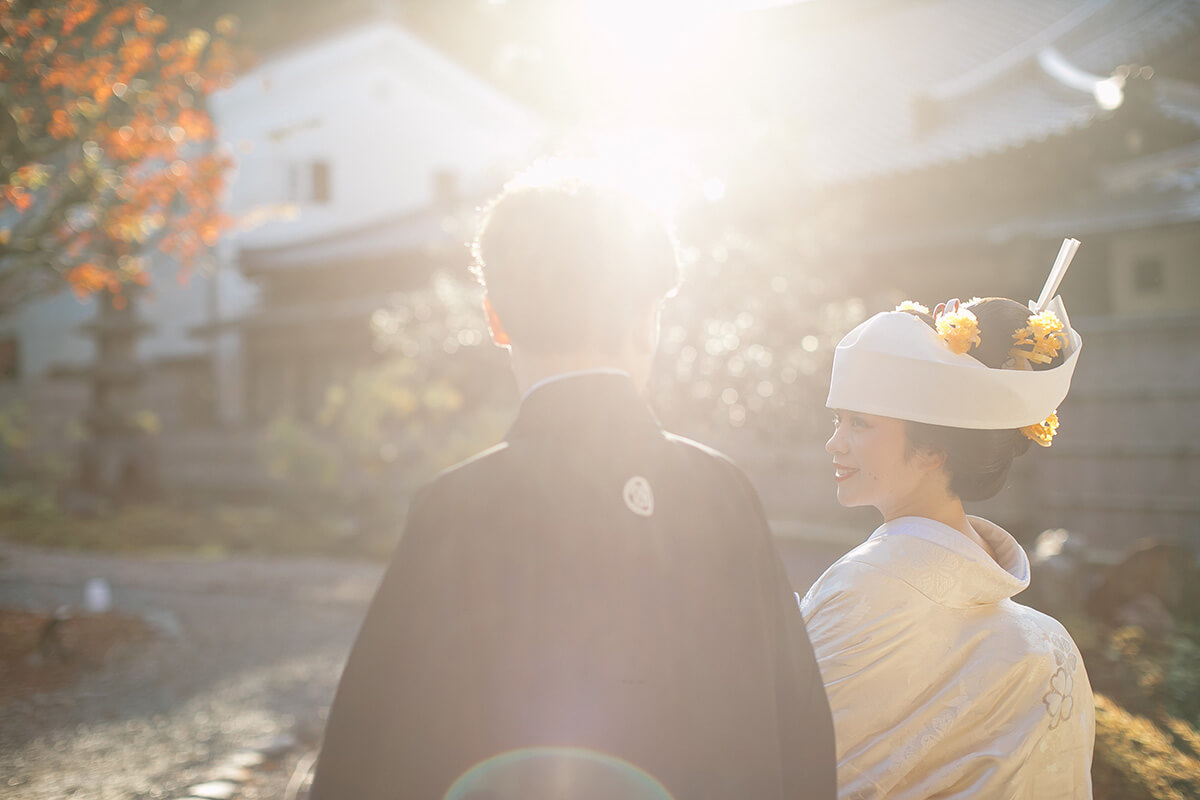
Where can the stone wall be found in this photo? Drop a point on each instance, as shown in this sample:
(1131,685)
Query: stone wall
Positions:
(1126,464)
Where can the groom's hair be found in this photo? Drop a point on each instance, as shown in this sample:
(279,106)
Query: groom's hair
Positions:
(572,264)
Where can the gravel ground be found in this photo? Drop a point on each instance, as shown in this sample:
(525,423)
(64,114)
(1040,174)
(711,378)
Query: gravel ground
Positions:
(246,650)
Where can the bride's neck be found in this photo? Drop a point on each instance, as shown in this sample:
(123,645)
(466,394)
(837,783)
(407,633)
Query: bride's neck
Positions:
(943,507)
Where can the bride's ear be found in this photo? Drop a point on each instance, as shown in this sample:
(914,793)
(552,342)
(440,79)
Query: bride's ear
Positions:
(929,459)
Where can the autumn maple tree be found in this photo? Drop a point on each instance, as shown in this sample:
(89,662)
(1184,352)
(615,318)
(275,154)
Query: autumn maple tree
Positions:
(106,149)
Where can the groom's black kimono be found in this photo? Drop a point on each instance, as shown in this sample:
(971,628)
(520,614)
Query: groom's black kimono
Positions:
(541,597)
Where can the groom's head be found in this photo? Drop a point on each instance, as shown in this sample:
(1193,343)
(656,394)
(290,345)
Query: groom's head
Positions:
(573,267)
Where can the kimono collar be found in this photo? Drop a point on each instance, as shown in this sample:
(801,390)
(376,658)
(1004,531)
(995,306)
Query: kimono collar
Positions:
(595,402)
(946,566)
(573,374)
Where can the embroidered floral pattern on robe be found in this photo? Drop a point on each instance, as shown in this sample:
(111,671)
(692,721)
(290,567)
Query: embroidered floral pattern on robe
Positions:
(940,684)
(1060,699)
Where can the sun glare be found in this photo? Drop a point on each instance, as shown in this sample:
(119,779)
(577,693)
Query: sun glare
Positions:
(646,163)
(639,65)
(633,51)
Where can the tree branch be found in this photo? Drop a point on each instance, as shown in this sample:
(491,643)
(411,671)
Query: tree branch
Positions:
(19,288)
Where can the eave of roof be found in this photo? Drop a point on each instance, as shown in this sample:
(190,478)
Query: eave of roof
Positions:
(294,315)
(419,232)
(922,84)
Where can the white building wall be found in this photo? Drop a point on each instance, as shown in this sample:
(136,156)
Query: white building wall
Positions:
(384,110)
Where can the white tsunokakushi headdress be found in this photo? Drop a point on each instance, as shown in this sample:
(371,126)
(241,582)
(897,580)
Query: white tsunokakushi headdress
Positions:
(895,365)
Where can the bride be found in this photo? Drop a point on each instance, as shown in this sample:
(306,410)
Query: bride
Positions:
(940,684)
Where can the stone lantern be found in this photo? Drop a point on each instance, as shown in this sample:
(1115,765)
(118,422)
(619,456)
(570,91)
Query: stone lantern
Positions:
(117,459)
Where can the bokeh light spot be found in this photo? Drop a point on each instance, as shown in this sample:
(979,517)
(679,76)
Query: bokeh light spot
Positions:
(737,416)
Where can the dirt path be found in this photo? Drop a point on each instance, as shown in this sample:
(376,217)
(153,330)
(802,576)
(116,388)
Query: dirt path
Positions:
(245,649)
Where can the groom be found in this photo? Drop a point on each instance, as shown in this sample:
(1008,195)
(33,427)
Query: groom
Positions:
(594,602)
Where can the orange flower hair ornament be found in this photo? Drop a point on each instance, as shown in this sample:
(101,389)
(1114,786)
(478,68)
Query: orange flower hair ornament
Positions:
(1039,341)
(912,305)
(1042,433)
(957,326)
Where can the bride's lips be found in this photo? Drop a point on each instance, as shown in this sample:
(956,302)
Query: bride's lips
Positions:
(841,472)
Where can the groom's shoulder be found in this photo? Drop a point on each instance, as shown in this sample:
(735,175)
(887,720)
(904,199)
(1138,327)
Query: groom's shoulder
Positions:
(480,466)
(467,489)
(699,449)
(722,466)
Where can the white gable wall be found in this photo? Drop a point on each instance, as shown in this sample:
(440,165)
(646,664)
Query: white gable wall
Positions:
(384,111)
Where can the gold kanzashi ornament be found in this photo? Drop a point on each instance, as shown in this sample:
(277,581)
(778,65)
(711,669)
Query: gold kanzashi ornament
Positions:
(1042,432)
(958,328)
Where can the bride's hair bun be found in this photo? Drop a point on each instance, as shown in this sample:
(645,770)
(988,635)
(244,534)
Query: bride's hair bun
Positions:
(978,461)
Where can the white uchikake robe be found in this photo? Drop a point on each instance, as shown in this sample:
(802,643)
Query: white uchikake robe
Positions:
(941,685)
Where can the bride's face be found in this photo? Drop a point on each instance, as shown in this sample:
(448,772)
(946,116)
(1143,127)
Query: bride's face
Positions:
(873,465)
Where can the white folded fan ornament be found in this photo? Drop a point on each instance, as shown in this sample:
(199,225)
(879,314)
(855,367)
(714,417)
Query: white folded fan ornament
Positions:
(895,365)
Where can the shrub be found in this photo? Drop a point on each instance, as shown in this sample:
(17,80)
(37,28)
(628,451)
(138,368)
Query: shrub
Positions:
(1138,760)
(1146,674)
(26,500)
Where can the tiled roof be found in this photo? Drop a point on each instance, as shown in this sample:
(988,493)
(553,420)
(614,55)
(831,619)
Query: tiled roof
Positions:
(921,83)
